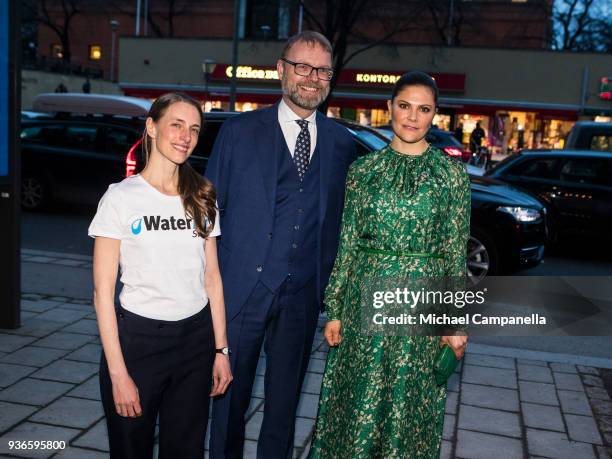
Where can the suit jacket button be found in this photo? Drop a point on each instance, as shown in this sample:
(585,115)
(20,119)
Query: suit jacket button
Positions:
(259,269)
(269,235)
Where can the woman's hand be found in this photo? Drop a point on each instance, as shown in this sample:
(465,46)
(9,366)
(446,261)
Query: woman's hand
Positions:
(457,343)
(125,395)
(332,332)
(222,375)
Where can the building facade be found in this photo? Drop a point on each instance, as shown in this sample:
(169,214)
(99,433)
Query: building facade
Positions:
(523,98)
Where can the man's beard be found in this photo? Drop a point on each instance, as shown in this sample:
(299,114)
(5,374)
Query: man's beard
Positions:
(310,103)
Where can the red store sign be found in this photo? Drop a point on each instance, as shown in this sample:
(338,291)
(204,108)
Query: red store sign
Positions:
(447,82)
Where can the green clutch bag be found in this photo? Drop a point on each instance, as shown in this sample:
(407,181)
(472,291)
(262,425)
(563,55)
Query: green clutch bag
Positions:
(444,365)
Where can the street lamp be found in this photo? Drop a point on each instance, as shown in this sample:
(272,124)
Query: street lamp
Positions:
(114,24)
(208,67)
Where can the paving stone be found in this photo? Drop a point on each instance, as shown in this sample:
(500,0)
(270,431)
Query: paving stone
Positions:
(489,376)
(446,450)
(476,445)
(588,370)
(32,431)
(312,383)
(583,428)
(84,326)
(72,452)
(451,402)
(453,383)
(11,414)
(42,259)
(573,402)
(568,381)
(37,327)
(602,408)
(25,315)
(38,305)
(316,366)
(59,299)
(258,387)
(10,374)
(540,363)
(31,296)
(255,404)
(70,412)
(448,433)
(10,343)
(87,307)
(489,421)
(489,361)
(34,391)
(556,445)
(490,397)
(253,426)
(535,373)
(597,393)
(96,437)
(33,356)
(88,353)
(592,380)
(68,262)
(61,340)
(308,406)
(536,392)
(67,371)
(563,367)
(319,355)
(89,389)
(542,417)
(250,449)
(303,430)
(62,315)
(261,367)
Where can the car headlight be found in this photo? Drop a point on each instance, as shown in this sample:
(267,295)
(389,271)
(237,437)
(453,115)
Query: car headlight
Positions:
(522,214)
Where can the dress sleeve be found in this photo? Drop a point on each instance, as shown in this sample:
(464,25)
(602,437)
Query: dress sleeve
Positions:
(457,225)
(341,274)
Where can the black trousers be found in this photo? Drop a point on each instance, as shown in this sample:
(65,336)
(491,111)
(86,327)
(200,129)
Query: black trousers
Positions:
(171,365)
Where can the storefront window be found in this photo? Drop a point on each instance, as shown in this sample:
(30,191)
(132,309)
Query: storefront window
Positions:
(466,123)
(553,133)
(442,121)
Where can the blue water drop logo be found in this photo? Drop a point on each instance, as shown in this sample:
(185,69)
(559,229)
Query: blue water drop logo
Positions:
(137,226)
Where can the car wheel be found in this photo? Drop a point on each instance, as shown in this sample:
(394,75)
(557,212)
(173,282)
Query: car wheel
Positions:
(482,258)
(34,192)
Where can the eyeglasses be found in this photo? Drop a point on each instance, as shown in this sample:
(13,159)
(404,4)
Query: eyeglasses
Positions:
(323,73)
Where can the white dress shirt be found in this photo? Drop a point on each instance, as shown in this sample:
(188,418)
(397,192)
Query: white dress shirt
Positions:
(291,130)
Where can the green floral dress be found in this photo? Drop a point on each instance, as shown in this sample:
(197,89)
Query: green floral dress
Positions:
(379,398)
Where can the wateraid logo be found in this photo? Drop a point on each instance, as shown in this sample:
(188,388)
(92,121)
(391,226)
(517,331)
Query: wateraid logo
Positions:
(137,226)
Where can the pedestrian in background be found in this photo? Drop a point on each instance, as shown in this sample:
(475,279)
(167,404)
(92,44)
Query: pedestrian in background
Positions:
(166,343)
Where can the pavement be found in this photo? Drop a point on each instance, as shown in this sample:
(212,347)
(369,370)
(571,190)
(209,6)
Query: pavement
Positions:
(502,402)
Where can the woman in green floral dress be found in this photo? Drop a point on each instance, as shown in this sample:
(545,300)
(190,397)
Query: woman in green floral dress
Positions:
(407,213)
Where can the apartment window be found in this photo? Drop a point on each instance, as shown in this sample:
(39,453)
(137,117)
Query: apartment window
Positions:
(95,52)
(262,19)
(57,51)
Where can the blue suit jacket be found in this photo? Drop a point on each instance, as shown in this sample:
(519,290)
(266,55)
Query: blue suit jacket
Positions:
(243,168)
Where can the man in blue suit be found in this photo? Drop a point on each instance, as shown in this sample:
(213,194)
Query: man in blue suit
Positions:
(280,175)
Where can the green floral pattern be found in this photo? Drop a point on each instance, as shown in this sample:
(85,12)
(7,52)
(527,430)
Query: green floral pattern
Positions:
(379,398)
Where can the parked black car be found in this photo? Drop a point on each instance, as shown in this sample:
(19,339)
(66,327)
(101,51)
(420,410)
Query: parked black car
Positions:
(590,135)
(73,158)
(576,186)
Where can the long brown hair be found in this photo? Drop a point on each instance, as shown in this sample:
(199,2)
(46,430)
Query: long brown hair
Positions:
(197,193)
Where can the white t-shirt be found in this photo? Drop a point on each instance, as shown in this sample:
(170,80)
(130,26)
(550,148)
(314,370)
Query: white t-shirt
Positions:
(161,258)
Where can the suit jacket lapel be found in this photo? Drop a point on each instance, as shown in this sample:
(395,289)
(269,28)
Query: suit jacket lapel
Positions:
(325,141)
(267,151)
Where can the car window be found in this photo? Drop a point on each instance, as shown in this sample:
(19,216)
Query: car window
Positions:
(588,171)
(207,138)
(82,137)
(601,143)
(536,168)
(48,134)
(119,141)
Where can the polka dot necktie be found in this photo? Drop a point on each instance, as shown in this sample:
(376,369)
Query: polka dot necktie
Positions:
(301,156)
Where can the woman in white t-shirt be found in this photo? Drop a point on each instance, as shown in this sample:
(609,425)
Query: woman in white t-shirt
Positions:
(166,345)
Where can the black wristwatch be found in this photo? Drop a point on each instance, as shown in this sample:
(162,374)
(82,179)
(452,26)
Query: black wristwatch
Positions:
(223,350)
